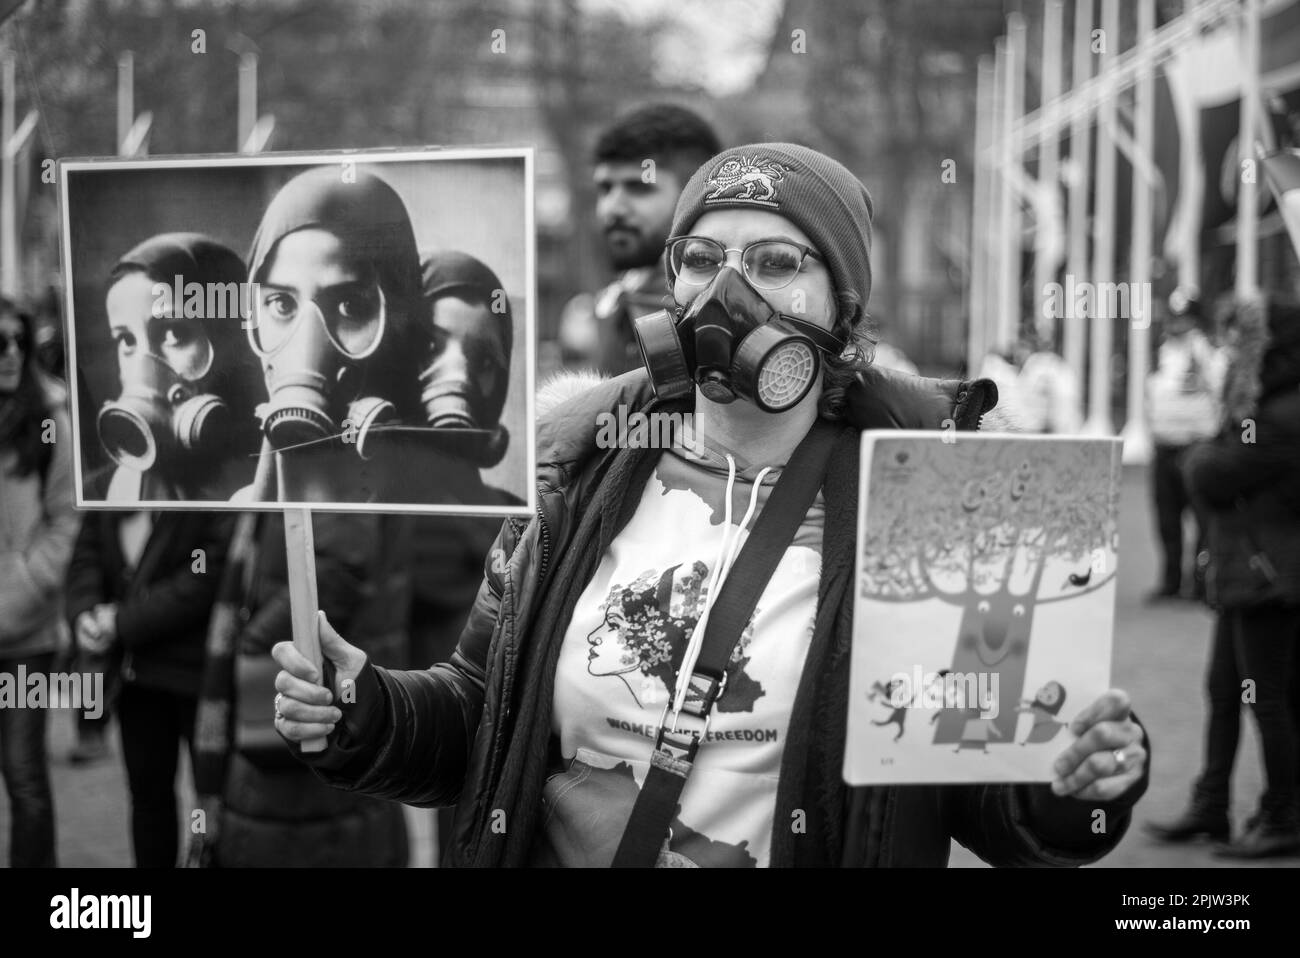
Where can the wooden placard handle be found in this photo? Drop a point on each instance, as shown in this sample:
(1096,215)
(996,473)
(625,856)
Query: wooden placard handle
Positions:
(300,548)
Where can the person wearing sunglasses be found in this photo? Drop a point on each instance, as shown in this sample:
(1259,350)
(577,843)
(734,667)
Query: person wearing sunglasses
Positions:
(586,717)
(37,527)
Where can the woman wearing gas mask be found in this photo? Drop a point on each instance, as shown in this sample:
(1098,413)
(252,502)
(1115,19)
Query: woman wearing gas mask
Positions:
(338,328)
(182,427)
(721,571)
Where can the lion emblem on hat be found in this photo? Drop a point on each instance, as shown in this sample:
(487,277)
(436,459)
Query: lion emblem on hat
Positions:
(746,178)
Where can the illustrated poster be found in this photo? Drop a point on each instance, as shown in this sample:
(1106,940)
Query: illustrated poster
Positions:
(985,599)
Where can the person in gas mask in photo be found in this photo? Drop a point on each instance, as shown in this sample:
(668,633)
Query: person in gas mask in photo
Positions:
(640,548)
(467,375)
(336,323)
(183,425)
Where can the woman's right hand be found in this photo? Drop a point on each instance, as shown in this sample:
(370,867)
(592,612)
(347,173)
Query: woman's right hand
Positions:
(307,708)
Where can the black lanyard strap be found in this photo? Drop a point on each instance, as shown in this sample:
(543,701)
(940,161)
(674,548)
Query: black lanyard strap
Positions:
(680,733)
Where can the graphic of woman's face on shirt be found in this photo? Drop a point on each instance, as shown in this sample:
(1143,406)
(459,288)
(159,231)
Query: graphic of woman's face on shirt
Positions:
(640,638)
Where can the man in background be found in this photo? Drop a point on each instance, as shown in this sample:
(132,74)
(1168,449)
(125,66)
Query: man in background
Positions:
(641,162)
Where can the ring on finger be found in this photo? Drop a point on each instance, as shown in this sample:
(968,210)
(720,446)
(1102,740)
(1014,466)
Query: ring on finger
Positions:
(1121,760)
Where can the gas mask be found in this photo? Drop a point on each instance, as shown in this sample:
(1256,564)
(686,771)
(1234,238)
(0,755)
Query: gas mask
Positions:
(313,354)
(731,343)
(161,414)
(463,385)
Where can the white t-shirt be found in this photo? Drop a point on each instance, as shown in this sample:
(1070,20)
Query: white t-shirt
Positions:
(627,637)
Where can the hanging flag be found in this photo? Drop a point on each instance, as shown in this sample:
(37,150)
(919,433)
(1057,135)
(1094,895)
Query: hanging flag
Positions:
(1282,171)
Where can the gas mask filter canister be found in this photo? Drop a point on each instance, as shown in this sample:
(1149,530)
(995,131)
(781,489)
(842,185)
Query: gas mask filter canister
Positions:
(158,416)
(731,342)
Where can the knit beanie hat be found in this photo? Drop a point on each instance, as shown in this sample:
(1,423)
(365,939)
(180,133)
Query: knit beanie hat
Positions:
(809,189)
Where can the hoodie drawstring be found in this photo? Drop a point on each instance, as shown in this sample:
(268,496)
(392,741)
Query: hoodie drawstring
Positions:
(727,552)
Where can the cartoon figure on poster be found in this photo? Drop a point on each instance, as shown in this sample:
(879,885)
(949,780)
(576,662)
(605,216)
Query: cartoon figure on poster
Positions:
(1000,530)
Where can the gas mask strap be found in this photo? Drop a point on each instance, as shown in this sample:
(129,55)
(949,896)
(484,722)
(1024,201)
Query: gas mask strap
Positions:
(821,338)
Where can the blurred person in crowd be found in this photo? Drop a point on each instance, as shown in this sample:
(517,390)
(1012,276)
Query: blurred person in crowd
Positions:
(49,349)
(140,588)
(634,209)
(518,728)
(37,527)
(1048,390)
(1248,482)
(183,425)
(262,808)
(1206,815)
(1183,394)
(92,730)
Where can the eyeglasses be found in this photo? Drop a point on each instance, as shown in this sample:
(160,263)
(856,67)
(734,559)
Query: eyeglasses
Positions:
(353,319)
(767,264)
(7,340)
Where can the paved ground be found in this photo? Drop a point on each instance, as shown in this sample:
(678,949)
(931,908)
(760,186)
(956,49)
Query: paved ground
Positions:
(1160,656)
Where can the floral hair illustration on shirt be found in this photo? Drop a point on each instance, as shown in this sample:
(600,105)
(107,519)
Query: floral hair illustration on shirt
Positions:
(644,631)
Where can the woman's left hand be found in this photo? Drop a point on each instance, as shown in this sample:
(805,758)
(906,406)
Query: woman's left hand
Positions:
(1108,757)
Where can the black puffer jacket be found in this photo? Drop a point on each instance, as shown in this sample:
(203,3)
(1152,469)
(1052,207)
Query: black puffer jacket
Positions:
(163,606)
(1248,477)
(275,812)
(462,732)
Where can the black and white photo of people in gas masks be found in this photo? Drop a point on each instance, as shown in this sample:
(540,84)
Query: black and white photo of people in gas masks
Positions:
(339,334)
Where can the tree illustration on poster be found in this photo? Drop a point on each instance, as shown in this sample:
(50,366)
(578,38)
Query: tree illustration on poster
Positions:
(1018,516)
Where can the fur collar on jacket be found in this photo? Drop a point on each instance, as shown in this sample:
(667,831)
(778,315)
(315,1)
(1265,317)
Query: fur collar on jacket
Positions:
(558,391)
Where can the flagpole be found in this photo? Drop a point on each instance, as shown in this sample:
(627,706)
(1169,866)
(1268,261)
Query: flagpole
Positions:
(1247,165)
(1190,172)
(1076,327)
(980,260)
(1002,195)
(1048,162)
(1137,437)
(1013,159)
(1099,422)
(125,99)
(246,111)
(1004,192)
(8,186)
